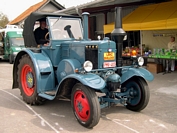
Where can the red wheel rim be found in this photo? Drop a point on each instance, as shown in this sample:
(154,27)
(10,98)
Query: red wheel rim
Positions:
(25,71)
(81,106)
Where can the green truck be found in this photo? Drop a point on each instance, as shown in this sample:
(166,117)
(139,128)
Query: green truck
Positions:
(11,42)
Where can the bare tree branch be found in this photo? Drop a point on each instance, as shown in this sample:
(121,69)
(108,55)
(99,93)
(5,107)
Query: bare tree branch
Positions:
(3,20)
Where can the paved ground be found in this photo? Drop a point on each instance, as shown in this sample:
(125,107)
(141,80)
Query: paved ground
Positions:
(56,116)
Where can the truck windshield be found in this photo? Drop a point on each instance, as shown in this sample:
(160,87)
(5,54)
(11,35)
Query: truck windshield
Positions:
(65,28)
(17,41)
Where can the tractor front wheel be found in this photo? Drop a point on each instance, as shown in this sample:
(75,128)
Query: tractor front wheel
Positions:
(86,107)
(139,94)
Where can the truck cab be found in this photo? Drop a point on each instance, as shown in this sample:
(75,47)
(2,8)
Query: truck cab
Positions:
(11,42)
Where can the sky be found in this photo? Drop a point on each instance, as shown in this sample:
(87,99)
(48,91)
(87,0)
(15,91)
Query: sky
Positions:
(13,8)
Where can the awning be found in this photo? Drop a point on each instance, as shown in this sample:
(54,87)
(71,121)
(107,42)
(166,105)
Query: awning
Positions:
(150,17)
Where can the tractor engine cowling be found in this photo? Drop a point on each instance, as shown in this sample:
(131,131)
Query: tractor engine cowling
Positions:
(113,82)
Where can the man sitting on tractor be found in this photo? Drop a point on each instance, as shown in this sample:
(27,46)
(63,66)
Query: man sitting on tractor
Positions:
(40,33)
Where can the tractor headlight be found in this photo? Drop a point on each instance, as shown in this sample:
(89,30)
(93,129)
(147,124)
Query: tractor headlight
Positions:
(140,61)
(88,66)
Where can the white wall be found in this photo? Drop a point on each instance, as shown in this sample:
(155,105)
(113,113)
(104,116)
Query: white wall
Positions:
(49,8)
(99,23)
(128,10)
(110,17)
(157,38)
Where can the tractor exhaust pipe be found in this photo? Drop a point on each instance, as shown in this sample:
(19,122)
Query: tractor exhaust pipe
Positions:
(117,35)
(85,24)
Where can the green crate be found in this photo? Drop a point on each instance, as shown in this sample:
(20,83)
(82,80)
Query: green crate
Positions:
(154,56)
(173,57)
(165,56)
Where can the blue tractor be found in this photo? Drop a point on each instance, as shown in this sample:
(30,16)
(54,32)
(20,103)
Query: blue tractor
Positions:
(88,72)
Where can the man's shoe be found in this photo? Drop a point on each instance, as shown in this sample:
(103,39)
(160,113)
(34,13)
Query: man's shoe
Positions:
(165,72)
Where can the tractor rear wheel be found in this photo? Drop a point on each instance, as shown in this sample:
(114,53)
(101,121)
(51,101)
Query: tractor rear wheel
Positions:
(86,107)
(27,81)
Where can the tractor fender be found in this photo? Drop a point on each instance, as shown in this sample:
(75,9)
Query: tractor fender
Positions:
(67,69)
(43,69)
(91,80)
(141,72)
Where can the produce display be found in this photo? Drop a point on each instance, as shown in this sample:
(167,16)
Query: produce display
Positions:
(131,51)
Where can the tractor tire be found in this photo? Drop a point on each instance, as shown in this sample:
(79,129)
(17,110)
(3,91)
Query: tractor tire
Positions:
(140,94)
(85,105)
(27,81)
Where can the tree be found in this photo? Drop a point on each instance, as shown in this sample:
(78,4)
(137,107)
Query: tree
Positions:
(3,20)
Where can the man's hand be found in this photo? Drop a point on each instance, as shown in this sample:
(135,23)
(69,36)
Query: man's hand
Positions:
(46,44)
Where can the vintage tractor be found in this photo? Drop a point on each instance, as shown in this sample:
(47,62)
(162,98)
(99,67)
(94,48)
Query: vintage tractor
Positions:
(88,72)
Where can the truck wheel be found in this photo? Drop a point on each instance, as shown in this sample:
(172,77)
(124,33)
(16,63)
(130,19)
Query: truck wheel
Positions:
(139,94)
(86,107)
(27,81)
(10,59)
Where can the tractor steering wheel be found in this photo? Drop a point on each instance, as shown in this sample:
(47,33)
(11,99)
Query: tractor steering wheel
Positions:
(47,36)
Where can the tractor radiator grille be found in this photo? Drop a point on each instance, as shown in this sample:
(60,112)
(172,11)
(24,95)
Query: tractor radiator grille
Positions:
(91,54)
